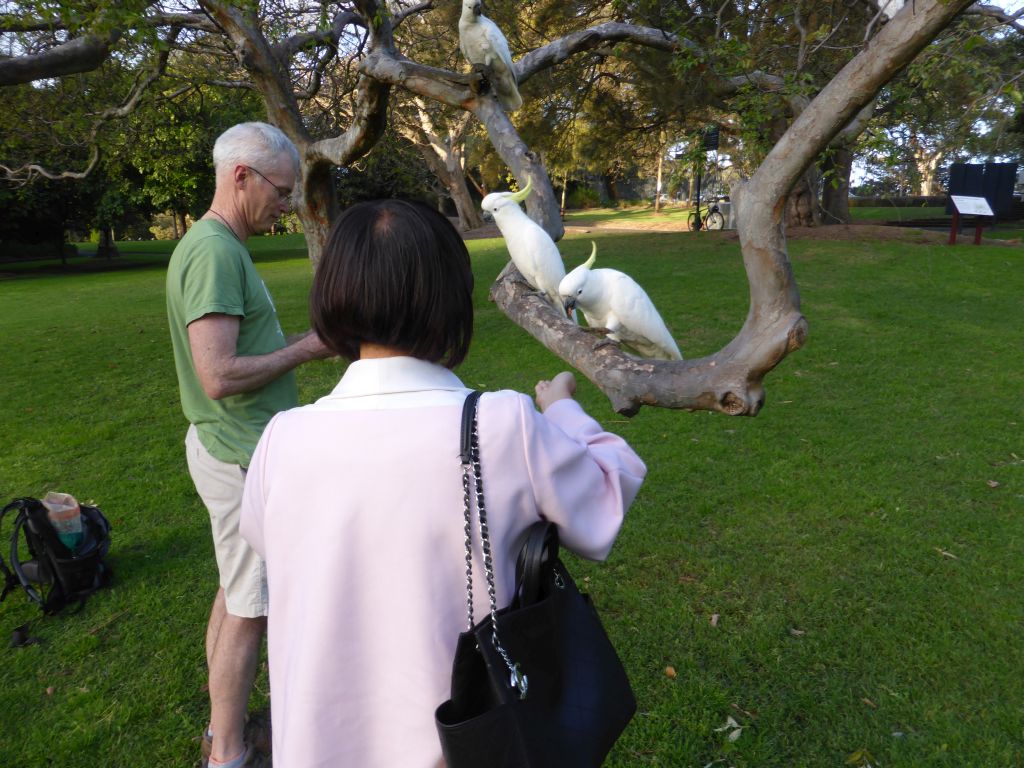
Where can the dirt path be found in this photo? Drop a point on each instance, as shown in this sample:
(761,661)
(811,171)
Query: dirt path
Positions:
(836,232)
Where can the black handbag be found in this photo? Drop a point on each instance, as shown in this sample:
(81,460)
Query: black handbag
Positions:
(538,683)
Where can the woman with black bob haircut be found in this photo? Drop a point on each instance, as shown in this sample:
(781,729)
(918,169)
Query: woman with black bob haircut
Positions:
(396,274)
(355,502)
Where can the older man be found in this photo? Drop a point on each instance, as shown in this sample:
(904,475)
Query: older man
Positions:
(234,368)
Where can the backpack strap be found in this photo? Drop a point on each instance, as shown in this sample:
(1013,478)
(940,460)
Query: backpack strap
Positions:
(12,576)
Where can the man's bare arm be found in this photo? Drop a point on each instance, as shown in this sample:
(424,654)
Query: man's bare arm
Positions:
(222,372)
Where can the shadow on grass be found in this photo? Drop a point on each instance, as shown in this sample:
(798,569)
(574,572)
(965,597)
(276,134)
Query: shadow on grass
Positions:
(86,263)
(81,265)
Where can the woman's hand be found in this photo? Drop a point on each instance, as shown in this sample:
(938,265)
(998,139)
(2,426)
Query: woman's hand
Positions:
(562,387)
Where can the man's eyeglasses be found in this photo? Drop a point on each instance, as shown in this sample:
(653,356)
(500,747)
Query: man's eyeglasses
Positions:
(282,192)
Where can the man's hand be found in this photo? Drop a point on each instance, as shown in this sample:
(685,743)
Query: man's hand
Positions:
(562,387)
(312,344)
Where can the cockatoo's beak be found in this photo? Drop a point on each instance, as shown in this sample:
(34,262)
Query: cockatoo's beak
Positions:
(478,9)
(487,216)
(569,304)
(518,197)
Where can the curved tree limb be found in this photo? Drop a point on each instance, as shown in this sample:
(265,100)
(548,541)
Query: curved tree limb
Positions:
(594,37)
(997,13)
(731,380)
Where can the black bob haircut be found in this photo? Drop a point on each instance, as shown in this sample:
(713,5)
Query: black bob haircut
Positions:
(394,273)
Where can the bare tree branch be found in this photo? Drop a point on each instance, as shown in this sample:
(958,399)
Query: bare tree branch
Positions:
(407,12)
(995,12)
(593,37)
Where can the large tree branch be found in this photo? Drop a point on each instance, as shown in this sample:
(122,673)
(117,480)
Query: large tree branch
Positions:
(80,54)
(84,53)
(594,37)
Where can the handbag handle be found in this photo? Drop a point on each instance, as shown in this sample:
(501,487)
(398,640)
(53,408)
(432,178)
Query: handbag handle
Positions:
(469,450)
(540,547)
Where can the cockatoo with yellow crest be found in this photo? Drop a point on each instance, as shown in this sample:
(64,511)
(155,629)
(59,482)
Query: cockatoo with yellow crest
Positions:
(613,300)
(531,248)
(485,47)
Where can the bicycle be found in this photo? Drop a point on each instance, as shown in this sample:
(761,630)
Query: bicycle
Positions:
(711,217)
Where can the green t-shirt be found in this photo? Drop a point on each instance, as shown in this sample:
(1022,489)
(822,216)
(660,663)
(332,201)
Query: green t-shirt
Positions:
(211,272)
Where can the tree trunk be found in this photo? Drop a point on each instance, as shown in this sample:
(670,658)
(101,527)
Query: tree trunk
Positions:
(469,214)
(802,205)
(541,205)
(836,193)
(106,248)
(444,158)
(319,208)
(180,223)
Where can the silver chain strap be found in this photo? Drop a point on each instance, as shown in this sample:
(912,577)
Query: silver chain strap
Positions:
(516,678)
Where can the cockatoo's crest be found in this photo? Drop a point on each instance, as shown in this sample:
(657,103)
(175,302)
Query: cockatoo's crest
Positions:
(523,193)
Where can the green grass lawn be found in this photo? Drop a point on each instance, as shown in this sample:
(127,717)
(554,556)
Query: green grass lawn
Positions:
(883,213)
(840,575)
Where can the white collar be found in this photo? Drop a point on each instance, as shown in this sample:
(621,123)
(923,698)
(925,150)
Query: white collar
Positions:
(394,375)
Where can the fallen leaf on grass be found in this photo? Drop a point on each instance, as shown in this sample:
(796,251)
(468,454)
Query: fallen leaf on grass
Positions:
(714,619)
(670,673)
(992,483)
(869,702)
(734,729)
(797,632)
(49,690)
(944,553)
(861,758)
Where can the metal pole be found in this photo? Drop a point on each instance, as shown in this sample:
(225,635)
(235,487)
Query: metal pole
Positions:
(697,224)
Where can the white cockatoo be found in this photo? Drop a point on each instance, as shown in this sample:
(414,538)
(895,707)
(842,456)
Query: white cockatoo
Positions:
(532,250)
(613,300)
(485,47)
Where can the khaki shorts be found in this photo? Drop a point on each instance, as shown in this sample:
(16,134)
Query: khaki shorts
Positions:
(243,574)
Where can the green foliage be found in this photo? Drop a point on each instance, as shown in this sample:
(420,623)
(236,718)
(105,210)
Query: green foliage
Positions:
(838,574)
(393,169)
(582,197)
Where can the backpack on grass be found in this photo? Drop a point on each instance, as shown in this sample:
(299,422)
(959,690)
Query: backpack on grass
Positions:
(52,575)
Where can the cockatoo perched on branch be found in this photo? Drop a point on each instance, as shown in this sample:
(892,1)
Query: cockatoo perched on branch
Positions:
(532,250)
(485,47)
(613,300)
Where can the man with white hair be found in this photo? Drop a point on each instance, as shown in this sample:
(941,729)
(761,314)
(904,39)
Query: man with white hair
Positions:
(234,369)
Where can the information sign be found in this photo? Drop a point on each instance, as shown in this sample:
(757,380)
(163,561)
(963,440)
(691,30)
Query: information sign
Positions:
(971,206)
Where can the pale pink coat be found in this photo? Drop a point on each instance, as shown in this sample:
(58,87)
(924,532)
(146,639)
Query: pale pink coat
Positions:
(356,504)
